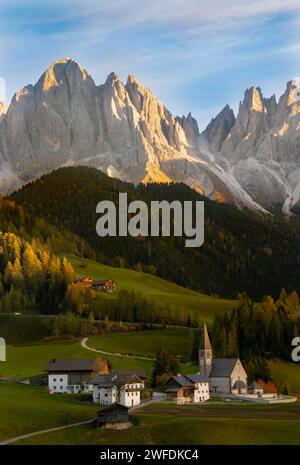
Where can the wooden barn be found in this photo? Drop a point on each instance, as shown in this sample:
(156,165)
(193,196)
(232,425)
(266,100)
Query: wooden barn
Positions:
(113,416)
(105,285)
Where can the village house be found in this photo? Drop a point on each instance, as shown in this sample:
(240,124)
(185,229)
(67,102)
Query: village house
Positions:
(113,416)
(120,386)
(187,389)
(74,376)
(104,285)
(2,350)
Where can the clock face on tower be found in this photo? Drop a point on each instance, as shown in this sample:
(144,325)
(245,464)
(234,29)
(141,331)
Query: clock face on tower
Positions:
(208,361)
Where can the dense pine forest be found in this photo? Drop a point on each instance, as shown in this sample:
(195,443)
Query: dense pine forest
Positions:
(243,251)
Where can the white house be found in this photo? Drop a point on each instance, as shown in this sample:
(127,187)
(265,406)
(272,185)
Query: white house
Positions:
(122,387)
(201,387)
(188,388)
(73,376)
(2,350)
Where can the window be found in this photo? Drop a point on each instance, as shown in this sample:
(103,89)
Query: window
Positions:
(105,394)
(61,388)
(54,388)
(54,380)
(61,380)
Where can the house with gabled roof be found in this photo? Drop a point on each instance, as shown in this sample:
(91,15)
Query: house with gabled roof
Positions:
(118,386)
(74,376)
(186,389)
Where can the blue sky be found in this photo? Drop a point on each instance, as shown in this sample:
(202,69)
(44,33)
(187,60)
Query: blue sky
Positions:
(195,55)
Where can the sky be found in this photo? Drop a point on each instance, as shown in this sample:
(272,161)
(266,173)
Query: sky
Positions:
(195,55)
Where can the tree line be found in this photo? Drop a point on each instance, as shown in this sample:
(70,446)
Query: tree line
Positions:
(257,332)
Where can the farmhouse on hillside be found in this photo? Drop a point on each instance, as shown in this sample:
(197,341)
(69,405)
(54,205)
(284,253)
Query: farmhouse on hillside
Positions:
(119,386)
(74,376)
(226,375)
(104,285)
(2,350)
(188,388)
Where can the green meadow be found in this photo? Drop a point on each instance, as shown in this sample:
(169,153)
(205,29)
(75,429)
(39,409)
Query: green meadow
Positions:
(24,361)
(213,423)
(26,409)
(146,343)
(182,301)
(29,356)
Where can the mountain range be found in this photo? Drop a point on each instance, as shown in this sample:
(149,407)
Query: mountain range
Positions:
(251,159)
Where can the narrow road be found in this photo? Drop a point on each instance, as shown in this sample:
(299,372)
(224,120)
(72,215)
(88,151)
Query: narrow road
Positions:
(115,354)
(36,433)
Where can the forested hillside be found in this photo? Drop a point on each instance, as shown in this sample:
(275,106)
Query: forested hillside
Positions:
(256,333)
(243,251)
(34,275)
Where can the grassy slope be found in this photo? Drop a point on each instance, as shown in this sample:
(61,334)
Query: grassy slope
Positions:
(202,308)
(146,342)
(25,409)
(168,424)
(29,360)
(24,328)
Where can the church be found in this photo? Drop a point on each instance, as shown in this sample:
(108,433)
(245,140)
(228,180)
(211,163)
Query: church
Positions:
(226,375)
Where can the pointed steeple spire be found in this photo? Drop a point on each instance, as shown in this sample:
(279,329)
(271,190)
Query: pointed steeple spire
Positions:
(205,353)
(205,341)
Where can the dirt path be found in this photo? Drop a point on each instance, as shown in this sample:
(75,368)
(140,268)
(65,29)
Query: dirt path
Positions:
(36,433)
(115,354)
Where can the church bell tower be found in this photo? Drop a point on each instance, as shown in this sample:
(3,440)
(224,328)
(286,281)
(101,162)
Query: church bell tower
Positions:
(205,354)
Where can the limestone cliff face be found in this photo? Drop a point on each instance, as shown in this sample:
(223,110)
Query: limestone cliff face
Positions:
(218,129)
(66,119)
(190,127)
(251,160)
(3,109)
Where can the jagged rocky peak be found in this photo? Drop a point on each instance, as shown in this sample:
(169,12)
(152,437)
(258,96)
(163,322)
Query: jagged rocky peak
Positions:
(190,127)
(159,119)
(252,160)
(254,100)
(144,100)
(114,88)
(64,71)
(271,105)
(218,129)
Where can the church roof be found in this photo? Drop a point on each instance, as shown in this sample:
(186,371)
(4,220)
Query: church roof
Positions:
(197,378)
(222,367)
(205,341)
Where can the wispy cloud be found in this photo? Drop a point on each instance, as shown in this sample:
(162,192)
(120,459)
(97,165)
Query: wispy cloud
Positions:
(195,54)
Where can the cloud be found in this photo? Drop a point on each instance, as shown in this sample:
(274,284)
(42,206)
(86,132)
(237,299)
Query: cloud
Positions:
(176,47)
